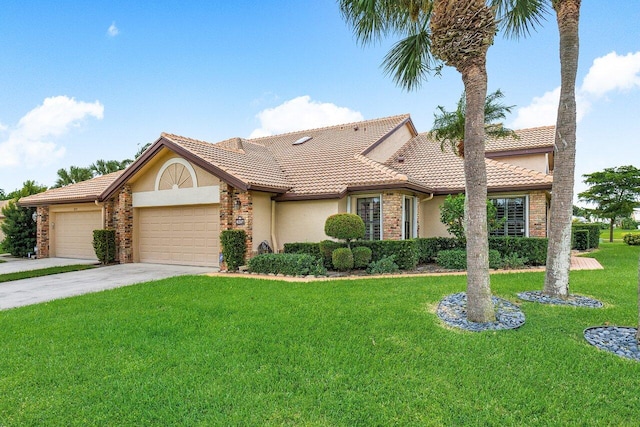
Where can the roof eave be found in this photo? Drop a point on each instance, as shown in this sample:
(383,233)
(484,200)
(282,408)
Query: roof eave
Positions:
(61,201)
(519,152)
(406,121)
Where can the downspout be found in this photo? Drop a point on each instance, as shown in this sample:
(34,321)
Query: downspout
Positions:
(274,242)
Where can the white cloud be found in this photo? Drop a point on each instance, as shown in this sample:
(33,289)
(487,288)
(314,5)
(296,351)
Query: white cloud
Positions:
(607,74)
(30,142)
(302,113)
(612,72)
(113,31)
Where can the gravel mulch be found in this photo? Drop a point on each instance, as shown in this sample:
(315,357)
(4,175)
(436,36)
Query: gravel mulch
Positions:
(572,300)
(453,311)
(618,340)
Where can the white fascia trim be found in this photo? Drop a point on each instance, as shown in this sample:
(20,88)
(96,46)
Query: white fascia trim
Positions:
(175,197)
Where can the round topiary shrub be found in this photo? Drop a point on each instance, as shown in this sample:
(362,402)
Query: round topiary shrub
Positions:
(342,259)
(361,256)
(344,226)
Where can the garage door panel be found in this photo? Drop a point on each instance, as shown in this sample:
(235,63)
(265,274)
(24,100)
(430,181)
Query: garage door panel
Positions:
(179,235)
(74,233)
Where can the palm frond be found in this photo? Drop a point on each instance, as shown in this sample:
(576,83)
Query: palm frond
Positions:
(518,18)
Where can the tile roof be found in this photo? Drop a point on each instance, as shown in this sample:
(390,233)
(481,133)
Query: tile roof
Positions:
(326,162)
(424,161)
(530,138)
(85,191)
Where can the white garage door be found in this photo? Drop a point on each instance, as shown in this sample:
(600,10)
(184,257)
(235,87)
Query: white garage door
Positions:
(74,233)
(184,235)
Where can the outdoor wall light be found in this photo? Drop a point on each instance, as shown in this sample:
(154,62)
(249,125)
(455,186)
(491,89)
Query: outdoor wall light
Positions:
(237,204)
(239,221)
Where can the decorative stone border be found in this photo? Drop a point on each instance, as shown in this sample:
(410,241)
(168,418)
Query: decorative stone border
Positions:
(572,300)
(618,340)
(453,311)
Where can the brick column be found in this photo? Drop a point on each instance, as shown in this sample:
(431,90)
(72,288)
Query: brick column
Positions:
(42,231)
(235,203)
(124,225)
(391,216)
(537,214)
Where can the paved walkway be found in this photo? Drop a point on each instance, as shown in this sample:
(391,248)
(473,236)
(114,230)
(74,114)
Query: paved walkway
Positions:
(40,289)
(583,263)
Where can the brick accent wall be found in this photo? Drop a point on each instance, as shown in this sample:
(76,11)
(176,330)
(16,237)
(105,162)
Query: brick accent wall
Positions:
(235,203)
(392,216)
(43,231)
(124,225)
(537,214)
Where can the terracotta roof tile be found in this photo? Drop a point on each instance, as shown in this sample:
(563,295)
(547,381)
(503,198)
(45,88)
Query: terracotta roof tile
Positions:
(79,192)
(539,137)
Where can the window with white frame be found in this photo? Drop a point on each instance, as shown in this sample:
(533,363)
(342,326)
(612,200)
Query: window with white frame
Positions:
(513,212)
(409,217)
(369,209)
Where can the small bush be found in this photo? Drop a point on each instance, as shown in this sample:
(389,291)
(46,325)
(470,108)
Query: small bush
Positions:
(629,224)
(104,245)
(405,251)
(428,248)
(342,259)
(234,248)
(289,264)
(533,248)
(326,248)
(456,259)
(384,265)
(581,240)
(514,261)
(361,256)
(593,240)
(344,226)
(632,239)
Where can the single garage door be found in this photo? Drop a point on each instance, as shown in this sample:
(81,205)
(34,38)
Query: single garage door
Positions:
(184,235)
(74,233)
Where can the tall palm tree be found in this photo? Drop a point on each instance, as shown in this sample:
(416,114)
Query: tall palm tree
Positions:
(457,33)
(518,18)
(73,175)
(448,126)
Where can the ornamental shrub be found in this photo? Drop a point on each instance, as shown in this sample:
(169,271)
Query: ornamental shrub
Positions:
(384,265)
(629,224)
(19,230)
(345,226)
(405,251)
(326,250)
(632,239)
(234,248)
(581,240)
(342,259)
(312,249)
(361,256)
(533,248)
(104,245)
(429,247)
(456,259)
(594,234)
(289,264)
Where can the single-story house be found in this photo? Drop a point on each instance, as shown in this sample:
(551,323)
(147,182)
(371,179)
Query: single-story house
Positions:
(171,204)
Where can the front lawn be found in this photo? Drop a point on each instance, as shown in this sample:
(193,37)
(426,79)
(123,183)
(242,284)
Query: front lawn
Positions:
(29,274)
(227,351)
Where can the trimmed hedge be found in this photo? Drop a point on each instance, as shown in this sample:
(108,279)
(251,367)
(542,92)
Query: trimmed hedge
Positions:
(581,240)
(534,249)
(326,248)
(104,245)
(632,239)
(384,265)
(312,249)
(429,247)
(234,248)
(456,259)
(361,256)
(593,238)
(342,259)
(289,264)
(405,251)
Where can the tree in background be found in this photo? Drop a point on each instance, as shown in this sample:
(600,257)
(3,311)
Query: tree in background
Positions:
(104,167)
(74,175)
(448,126)
(452,215)
(614,191)
(18,226)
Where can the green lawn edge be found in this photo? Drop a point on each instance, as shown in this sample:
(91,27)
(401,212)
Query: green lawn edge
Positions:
(29,274)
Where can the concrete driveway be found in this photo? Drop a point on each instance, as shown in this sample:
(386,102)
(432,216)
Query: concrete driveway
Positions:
(40,289)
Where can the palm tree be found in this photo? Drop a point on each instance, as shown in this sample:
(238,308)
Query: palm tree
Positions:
(448,126)
(104,167)
(73,175)
(457,33)
(518,17)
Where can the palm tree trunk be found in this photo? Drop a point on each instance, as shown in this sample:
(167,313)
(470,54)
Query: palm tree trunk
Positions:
(479,304)
(559,249)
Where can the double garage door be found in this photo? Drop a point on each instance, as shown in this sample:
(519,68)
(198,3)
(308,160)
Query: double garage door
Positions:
(187,235)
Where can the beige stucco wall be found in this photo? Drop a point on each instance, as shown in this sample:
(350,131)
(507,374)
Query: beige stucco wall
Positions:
(390,145)
(1,233)
(536,162)
(303,221)
(429,218)
(145,179)
(261,218)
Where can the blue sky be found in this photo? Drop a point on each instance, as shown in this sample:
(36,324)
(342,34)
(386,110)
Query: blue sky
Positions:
(81,81)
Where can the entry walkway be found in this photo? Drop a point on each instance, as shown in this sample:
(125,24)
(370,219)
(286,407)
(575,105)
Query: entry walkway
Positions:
(583,263)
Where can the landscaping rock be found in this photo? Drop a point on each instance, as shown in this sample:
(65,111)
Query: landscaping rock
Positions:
(618,340)
(572,300)
(453,311)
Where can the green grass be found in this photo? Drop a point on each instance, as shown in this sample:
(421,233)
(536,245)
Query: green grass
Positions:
(225,351)
(19,275)
(618,233)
